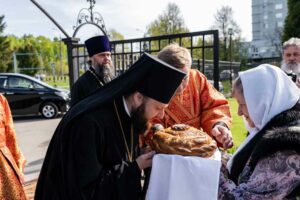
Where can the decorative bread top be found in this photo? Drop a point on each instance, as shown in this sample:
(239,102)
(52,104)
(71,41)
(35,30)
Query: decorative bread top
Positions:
(183,140)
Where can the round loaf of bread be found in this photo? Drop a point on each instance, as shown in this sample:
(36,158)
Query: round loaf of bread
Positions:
(183,140)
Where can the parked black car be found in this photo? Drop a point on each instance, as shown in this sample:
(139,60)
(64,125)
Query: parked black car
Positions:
(27,95)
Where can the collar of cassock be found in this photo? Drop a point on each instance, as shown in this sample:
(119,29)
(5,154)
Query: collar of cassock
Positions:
(125,106)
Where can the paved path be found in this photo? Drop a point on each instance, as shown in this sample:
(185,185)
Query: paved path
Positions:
(33,135)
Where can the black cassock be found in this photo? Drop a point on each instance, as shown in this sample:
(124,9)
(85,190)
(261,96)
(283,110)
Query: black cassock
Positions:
(87,158)
(87,84)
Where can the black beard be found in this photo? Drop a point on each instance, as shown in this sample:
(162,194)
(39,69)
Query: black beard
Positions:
(140,123)
(104,71)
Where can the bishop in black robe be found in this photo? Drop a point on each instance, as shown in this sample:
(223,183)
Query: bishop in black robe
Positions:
(87,157)
(92,163)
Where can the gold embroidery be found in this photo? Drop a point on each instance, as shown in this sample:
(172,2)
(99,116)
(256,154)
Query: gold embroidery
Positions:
(129,153)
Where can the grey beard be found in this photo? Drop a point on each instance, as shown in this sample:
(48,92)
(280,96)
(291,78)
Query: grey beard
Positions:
(104,71)
(290,67)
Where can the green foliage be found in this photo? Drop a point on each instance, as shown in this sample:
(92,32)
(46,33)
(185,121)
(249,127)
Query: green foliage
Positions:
(292,21)
(2,24)
(227,87)
(223,22)
(198,52)
(238,128)
(29,57)
(38,52)
(170,22)
(31,52)
(115,35)
(4,47)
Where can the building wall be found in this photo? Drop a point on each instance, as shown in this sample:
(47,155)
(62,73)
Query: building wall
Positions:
(267,24)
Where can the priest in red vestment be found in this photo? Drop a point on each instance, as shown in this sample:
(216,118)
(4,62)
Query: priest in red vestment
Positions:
(196,102)
(12,161)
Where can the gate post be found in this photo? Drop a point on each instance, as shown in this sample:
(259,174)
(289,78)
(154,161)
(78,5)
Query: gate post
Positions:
(216,60)
(73,71)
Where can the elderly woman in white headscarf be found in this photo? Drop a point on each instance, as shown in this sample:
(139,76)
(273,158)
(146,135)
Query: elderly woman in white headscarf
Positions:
(267,164)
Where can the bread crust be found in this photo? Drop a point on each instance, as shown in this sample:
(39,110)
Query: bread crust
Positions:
(183,140)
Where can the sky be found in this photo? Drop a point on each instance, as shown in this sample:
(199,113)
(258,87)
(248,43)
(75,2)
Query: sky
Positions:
(128,17)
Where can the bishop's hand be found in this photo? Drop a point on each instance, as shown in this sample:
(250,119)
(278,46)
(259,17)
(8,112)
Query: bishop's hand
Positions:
(145,160)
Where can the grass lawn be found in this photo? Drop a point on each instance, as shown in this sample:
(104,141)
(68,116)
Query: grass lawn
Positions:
(238,128)
(58,82)
(227,87)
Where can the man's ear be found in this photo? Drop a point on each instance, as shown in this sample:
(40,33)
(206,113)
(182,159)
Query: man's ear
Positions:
(92,61)
(137,99)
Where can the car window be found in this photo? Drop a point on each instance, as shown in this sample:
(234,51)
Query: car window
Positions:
(38,86)
(19,83)
(3,81)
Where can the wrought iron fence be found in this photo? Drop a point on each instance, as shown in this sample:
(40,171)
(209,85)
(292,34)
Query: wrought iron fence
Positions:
(203,45)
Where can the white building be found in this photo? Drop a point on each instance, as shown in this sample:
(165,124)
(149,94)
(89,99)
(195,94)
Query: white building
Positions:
(267,24)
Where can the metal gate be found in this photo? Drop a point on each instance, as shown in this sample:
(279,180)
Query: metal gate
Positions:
(203,45)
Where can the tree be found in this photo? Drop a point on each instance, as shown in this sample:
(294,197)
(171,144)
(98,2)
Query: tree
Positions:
(4,47)
(48,52)
(115,35)
(223,21)
(2,24)
(60,55)
(170,22)
(14,45)
(29,57)
(292,21)
(37,52)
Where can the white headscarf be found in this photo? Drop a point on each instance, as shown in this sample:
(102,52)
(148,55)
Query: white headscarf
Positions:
(268,91)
